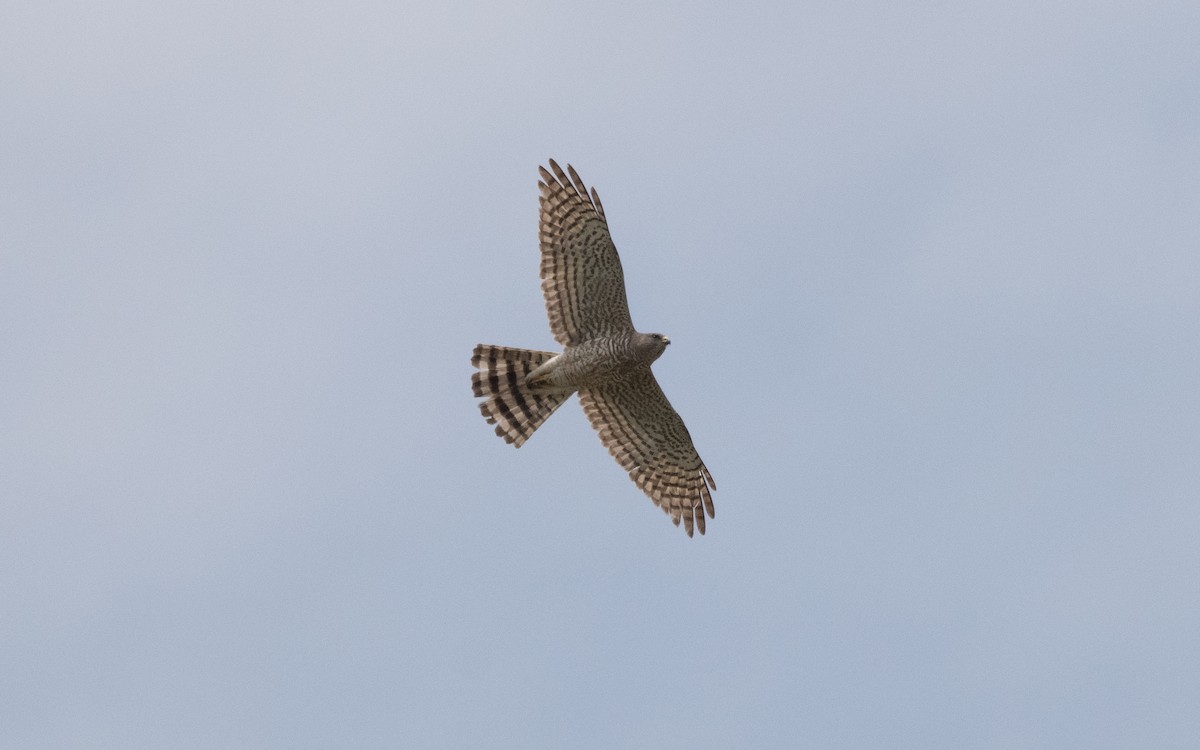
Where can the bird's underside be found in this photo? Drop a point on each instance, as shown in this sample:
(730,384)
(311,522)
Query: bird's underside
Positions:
(604,359)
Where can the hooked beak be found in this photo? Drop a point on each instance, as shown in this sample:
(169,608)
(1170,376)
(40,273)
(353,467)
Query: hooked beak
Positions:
(666,340)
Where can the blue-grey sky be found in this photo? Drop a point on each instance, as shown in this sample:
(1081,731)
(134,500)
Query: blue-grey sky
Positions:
(932,275)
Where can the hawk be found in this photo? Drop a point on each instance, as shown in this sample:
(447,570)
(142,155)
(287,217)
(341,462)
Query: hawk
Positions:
(604,359)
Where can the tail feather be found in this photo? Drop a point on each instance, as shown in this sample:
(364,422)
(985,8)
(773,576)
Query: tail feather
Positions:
(515,408)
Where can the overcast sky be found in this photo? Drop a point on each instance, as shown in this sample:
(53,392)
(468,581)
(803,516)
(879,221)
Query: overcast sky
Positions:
(932,275)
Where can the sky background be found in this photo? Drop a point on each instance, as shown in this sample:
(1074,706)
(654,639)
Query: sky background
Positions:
(932,275)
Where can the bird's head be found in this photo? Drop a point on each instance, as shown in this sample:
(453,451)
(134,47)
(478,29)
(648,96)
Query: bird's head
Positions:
(650,346)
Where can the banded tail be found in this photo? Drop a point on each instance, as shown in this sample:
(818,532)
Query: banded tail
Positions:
(515,408)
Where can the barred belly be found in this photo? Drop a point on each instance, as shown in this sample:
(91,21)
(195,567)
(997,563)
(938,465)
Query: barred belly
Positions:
(592,363)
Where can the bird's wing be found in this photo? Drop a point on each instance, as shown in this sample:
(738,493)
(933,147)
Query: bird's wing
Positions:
(646,435)
(581,271)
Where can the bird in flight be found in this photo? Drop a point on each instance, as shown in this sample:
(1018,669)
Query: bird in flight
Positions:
(604,359)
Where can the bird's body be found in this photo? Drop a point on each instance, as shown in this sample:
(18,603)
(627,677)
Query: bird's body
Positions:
(604,359)
(599,361)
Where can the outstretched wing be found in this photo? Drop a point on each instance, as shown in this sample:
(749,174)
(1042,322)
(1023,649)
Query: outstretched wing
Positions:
(647,437)
(581,272)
